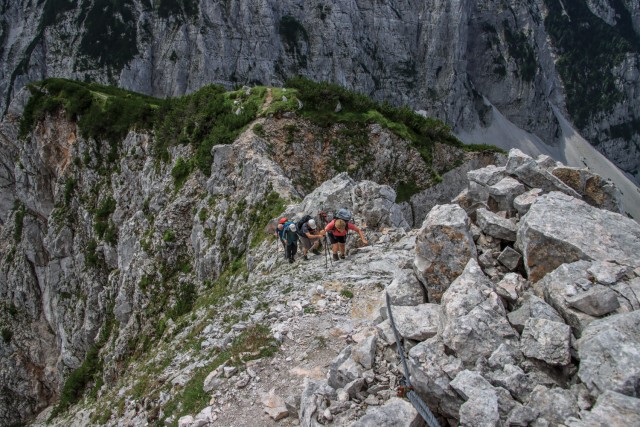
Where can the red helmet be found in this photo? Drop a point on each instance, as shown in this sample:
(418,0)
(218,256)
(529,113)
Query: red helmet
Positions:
(282,220)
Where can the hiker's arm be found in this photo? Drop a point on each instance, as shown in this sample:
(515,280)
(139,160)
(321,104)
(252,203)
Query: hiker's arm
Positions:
(364,239)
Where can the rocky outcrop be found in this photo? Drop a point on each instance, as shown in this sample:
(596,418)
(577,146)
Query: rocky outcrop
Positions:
(443,246)
(574,230)
(512,351)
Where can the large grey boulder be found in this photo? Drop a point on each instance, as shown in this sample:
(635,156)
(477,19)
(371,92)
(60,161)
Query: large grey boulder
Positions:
(496,226)
(553,405)
(611,409)
(594,189)
(487,176)
(474,322)
(546,340)
(523,202)
(431,370)
(375,205)
(609,352)
(333,194)
(560,229)
(597,301)
(532,307)
(484,403)
(406,289)
(568,289)
(529,172)
(395,413)
(315,398)
(364,352)
(418,322)
(444,245)
(512,378)
(504,192)
(344,369)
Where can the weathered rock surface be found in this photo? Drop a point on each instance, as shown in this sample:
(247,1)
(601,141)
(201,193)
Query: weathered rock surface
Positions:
(474,319)
(418,322)
(395,413)
(444,245)
(560,229)
(609,352)
(546,340)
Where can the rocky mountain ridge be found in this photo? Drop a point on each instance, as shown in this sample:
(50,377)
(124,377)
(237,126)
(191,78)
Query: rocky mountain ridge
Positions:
(470,63)
(488,348)
(109,245)
(137,293)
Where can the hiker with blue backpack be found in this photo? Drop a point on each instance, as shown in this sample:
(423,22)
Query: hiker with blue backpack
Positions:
(338,229)
(290,235)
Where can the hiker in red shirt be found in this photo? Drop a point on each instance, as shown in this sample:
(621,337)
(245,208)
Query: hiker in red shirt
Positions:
(337,231)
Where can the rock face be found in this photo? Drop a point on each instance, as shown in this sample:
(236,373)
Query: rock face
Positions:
(178,49)
(559,229)
(443,247)
(505,352)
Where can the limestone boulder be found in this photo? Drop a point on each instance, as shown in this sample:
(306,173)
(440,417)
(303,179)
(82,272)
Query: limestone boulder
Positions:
(444,245)
(406,289)
(529,172)
(560,229)
(564,283)
(432,369)
(375,205)
(474,322)
(523,202)
(597,301)
(532,307)
(418,322)
(332,194)
(504,192)
(344,369)
(546,340)
(496,226)
(395,412)
(609,352)
(594,189)
(553,405)
(611,409)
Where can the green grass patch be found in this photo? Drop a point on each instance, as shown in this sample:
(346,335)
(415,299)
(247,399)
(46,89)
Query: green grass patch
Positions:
(405,190)
(346,293)
(102,112)
(262,213)
(320,100)
(20,212)
(180,172)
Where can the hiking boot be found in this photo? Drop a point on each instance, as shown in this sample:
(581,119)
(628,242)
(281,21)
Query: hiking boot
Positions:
(290,260)
(335,257)
(342,256)
(315,251)
(304,257)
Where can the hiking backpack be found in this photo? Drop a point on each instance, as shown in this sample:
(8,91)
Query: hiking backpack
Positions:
(300,223)
(344,214)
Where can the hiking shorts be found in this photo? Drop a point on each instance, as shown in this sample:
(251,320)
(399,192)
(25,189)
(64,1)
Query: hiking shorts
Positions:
(336,239)
(306,242)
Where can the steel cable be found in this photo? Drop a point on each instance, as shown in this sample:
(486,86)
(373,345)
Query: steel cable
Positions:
(413,397)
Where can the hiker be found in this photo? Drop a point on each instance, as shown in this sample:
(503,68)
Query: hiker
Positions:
(337,231)
(291,239)
(282,224)
(308,233)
